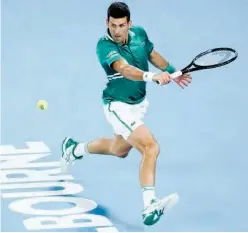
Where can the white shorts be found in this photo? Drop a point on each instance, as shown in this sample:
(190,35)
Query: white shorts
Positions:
(125,118)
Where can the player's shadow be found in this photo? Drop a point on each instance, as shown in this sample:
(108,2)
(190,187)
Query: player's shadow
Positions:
(101,210)
(104,211)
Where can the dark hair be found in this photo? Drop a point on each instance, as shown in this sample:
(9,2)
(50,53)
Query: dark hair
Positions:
(119,10)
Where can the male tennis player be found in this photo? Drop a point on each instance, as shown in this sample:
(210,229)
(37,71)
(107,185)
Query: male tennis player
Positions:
(124,53)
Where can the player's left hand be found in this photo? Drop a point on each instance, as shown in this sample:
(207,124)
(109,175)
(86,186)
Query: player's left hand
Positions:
(183,80)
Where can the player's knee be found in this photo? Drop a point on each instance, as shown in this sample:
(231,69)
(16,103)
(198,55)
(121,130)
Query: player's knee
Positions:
(116,151)
(121,154)
(152,149)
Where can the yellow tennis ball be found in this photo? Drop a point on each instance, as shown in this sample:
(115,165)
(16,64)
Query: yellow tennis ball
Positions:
(42,104)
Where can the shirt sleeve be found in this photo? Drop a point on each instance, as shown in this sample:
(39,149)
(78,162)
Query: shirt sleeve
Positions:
(149,44)
(107,52)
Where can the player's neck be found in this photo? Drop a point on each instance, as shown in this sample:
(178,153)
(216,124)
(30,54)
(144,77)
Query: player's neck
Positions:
(125,40)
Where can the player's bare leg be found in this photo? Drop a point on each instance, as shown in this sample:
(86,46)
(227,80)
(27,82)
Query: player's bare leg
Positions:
(146,144)
(143,140)
(73,150)
(106,146)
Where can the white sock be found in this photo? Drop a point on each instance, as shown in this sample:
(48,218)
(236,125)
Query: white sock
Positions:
(81,149)
(148,194)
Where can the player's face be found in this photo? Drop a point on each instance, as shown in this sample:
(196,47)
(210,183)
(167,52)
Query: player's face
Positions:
(118,29)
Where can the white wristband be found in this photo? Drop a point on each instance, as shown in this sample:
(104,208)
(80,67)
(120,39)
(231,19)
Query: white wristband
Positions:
(147,76)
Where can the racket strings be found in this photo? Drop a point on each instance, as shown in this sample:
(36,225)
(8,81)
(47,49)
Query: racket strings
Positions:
(214,58)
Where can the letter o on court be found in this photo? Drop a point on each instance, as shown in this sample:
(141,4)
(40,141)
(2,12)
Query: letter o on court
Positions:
(24,206)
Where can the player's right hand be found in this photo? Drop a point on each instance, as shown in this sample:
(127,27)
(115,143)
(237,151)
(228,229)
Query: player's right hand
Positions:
(162,78)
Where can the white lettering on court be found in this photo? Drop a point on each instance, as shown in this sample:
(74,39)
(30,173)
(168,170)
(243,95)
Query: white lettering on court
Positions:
(42,182)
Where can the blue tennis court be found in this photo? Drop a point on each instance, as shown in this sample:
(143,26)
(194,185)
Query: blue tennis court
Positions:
(48,52)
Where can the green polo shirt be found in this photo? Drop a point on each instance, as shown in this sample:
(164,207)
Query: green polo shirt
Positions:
(136,53)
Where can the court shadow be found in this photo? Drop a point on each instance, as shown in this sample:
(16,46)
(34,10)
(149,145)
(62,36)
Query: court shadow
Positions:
(126,226)
(104,211)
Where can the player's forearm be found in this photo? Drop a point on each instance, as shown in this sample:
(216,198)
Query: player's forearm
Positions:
(161,63)
(158,61)
(131,72)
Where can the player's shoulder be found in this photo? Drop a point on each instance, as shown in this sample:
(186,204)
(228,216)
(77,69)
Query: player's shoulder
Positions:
(104,40)
(138,30)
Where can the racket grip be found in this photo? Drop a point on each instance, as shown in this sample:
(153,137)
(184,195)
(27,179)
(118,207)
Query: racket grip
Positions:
(174,75)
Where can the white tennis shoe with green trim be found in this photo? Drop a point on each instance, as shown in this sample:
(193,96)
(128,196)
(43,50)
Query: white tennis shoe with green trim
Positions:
(152,213)
(68,154)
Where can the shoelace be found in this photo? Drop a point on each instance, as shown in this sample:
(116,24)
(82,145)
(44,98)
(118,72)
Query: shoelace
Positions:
(154,207)
(68,159)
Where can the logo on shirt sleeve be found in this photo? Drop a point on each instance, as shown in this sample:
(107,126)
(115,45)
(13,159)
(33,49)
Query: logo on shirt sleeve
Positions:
(111,54)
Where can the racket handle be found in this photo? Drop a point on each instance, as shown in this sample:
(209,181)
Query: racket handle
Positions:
(174,75)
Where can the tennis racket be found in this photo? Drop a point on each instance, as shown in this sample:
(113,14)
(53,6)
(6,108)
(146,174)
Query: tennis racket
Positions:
(209,59)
